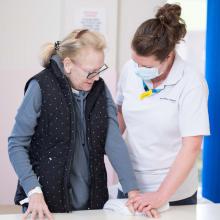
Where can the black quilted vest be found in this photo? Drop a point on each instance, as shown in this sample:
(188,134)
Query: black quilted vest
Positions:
(53,142)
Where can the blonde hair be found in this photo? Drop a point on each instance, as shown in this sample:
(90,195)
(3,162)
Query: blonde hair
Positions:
(71,45)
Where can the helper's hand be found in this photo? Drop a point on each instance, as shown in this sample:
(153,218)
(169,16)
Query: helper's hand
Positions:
(37,208)
(155,199)
(146,203)
(152,213)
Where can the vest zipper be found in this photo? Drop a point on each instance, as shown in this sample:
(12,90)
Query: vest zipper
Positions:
(68,207)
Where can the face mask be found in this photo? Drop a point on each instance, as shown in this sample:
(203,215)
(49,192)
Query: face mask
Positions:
(147,73)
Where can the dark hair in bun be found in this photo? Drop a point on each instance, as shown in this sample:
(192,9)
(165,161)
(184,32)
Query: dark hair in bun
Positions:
(159,36)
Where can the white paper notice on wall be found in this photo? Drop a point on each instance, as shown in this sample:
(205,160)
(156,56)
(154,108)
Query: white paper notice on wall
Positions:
(93,19)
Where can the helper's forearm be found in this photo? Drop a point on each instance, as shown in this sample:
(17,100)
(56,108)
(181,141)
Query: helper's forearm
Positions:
(181,166)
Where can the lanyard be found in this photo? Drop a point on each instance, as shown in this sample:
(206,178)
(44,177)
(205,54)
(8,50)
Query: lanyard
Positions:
(148,92)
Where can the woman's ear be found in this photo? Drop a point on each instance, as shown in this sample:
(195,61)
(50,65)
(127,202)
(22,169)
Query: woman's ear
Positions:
(67,64)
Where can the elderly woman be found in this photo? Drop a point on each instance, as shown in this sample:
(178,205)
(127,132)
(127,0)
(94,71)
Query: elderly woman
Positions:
(64,126)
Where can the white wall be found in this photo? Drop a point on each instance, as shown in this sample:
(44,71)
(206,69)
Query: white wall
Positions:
(193,49)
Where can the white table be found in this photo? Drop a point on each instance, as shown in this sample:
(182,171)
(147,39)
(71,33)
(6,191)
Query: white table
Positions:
(199,212)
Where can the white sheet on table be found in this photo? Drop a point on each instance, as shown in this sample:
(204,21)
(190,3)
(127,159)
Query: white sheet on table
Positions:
(119,206)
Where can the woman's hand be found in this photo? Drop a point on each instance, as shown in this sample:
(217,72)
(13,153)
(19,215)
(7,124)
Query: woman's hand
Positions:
(37,208)
(134,199)
(155,199)
(132,194)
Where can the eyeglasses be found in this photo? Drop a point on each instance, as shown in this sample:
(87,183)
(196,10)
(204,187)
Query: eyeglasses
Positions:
(91,75)
(95,73)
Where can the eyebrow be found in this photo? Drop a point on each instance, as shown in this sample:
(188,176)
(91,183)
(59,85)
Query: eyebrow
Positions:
(141,65)
(144,66)
(147,66)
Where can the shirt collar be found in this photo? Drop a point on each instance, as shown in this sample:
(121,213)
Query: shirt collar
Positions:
(80,94)
(75,91)
(176,72)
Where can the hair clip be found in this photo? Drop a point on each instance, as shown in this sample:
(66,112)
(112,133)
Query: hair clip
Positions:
(57,45)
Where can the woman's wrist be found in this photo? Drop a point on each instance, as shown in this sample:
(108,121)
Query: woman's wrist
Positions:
(133,193)
(37,189)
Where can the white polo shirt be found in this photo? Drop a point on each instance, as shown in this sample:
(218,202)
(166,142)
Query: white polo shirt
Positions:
(156,124)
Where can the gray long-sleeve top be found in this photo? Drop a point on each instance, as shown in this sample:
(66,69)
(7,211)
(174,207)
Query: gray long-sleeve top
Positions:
(115,147)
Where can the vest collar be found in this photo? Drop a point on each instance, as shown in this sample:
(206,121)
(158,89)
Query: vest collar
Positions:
(58,61)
